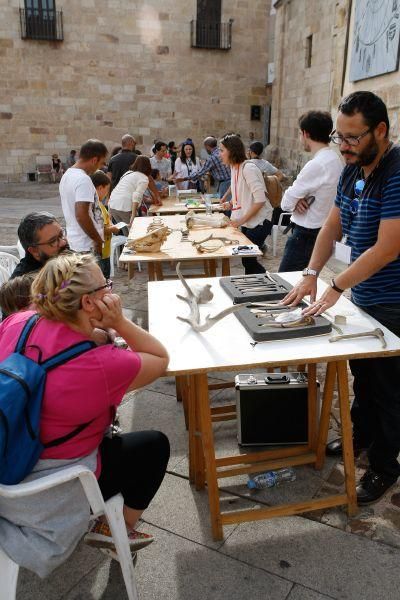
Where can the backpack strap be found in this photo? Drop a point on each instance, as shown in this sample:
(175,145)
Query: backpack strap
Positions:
(25,333)
(60,359)
(66,355)
(247,162)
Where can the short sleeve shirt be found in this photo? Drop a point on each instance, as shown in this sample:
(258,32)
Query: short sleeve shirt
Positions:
(380,200)
(76,186)
(120,164)
(87,388)
(264,166)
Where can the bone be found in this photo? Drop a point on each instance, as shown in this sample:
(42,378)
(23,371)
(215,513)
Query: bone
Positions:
(268,311)
(378,333)
(302,322)
(272,305)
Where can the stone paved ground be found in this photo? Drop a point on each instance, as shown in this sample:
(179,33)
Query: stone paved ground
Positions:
(319,556)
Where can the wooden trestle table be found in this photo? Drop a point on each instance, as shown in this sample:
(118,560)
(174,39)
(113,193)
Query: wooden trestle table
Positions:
(226,347)
(174,205)
(175,249)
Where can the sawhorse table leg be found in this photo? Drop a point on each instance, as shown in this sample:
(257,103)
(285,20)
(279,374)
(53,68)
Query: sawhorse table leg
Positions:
(211,468)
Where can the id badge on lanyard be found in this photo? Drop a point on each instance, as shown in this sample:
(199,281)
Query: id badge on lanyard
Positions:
(236,203)
(342,251)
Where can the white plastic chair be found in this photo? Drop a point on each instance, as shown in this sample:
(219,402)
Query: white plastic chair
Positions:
(4,276)
(10,250)
(8,261)
(43,167)
(276,229)
(116,242)
(16,250)
(112,509)
(21,250)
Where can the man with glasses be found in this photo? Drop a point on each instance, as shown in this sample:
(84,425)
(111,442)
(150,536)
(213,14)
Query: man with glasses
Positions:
(42,237)
(364,226)
(311,196)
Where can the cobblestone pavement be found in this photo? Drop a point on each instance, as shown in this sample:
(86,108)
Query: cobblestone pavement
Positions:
(179,518)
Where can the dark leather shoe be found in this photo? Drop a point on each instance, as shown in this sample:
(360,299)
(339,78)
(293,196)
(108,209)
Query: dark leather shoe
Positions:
(373,486)
(334,448)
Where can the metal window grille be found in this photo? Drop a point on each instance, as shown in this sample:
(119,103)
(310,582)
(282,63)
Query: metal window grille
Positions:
(41,24)
(210,34)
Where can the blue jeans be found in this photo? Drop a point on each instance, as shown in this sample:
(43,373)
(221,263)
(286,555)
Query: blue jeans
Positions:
(298,249)
(222,187)
(257,236)
(376,408)
(105,266)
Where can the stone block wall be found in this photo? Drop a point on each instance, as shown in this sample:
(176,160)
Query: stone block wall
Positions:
(298,88)
(126,67)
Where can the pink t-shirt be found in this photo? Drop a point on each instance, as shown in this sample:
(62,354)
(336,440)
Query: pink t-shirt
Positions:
(83,389)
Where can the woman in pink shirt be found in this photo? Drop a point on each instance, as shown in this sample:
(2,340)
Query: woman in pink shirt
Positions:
(76,303)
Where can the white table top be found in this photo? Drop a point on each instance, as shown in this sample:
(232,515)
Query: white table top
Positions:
(226,346)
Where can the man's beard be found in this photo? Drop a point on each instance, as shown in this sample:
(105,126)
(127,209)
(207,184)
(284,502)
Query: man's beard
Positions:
(367,156)
(43,257)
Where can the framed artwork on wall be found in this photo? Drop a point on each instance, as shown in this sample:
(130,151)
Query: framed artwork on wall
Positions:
(376,36)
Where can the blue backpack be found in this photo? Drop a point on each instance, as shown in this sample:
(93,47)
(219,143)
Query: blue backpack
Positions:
(22,382)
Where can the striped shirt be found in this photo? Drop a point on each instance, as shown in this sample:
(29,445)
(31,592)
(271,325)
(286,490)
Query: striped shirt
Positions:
(215,166)
(379,200)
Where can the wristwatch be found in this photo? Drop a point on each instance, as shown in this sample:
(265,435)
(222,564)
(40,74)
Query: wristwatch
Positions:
(308,271)
(335,287)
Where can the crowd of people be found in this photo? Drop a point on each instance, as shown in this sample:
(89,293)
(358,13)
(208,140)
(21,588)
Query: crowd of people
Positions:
(64,280)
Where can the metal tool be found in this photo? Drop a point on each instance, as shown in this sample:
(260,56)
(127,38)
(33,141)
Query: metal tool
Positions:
(274,305)
(246,285)
(378,333)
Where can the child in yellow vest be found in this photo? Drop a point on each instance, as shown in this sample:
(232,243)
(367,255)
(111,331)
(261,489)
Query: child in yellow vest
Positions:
(102,184)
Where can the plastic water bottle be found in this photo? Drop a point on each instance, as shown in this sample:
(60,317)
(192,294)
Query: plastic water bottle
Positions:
(208,203)
(271,479)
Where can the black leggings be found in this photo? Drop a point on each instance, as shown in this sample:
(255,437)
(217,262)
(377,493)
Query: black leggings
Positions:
(134,465)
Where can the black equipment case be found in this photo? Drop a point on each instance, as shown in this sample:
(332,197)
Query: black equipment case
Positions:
(272,408)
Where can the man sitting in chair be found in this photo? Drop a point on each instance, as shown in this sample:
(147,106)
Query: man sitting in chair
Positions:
(42,237)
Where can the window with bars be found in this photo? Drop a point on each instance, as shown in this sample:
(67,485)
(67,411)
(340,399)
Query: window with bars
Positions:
(207,31)
(40,20)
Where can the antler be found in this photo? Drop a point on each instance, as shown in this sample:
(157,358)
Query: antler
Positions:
(193,300)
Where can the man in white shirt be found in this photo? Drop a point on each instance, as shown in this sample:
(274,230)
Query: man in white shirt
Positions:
(312,194)
(158,161)
(79,200)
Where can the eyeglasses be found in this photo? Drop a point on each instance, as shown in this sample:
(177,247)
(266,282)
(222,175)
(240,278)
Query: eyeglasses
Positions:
(54,241)
(358,189)
(108,285)
(350,140)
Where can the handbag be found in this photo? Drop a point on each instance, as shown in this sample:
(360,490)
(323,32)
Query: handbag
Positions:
(273,188)
(274,191)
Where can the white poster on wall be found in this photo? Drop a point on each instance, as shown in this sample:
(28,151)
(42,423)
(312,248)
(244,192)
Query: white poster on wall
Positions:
(375,47)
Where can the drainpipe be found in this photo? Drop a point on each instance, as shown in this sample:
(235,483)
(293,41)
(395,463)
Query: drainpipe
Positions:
(346,46)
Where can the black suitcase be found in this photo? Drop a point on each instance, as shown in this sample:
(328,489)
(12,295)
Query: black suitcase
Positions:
(272,408)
